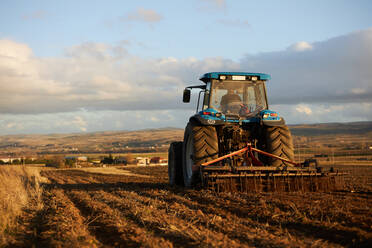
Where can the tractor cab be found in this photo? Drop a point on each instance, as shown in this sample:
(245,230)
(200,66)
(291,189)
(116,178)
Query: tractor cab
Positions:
(232,97)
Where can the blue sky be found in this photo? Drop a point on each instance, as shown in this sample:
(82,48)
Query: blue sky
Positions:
(185,28)
(70,66)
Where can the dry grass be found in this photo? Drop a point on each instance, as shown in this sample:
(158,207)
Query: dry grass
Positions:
(19,186)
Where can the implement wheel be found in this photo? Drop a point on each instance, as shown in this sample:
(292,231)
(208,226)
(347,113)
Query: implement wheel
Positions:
(200,145)
(278,141)
(175,170)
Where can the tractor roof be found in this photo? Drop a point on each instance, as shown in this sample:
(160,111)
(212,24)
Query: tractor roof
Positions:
(216,75)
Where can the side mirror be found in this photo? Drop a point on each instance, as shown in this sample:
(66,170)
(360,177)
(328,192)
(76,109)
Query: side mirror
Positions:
(186,95)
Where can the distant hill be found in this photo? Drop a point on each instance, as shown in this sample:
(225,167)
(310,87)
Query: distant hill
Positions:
(148,140)
(331,128)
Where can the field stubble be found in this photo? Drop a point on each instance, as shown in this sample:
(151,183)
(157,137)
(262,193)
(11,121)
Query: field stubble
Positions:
(83,209)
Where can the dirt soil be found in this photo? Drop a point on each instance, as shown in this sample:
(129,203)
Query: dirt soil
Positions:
(83,209)
(112,170)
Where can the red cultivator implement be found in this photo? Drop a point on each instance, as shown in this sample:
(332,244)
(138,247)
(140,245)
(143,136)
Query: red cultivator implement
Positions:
(243,171)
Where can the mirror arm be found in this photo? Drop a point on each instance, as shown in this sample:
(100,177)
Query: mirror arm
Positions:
(197,87)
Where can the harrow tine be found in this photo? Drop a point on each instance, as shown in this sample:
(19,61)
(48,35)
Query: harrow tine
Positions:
(271,183)
(253,178)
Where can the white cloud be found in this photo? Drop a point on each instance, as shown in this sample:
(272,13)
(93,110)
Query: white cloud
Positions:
(301,108)
(94,76)
(10,50)
(68,121)
(11,125)
(321,113)
(358,91)
(327,73)
(80,122)
(93,121)
(143,15)
(301,46)
(79,91)
(154,119)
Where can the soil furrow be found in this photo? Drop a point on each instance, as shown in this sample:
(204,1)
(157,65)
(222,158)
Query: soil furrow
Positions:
(61,223)
(123,210)
(168,225)
(109,226)
(293,220)
(246,231)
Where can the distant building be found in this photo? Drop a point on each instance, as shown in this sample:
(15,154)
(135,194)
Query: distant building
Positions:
(9,159)
(96,161)
(155,160)
(164,161)
(142,161)
(77,158)
(4,160)
(158,161)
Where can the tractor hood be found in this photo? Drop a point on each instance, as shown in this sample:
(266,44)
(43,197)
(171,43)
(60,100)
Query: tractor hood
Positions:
(211,116)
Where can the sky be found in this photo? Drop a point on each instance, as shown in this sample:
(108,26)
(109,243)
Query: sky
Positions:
(86,66)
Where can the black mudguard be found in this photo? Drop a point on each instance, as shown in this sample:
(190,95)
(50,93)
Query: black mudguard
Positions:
(199,120)
(274,123)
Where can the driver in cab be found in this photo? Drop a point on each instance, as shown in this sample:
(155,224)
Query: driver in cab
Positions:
(231,98)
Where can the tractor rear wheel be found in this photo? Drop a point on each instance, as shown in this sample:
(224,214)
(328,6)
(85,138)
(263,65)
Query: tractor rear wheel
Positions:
(278,141)
(175,170)
(200,145)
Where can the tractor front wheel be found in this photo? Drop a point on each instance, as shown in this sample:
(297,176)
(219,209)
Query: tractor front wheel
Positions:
(200,145)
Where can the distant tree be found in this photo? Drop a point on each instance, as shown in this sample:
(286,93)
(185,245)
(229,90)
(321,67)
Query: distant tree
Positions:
(108,160)
(40,160)
(70,162)
(29,161)
(57,161)
(16,161)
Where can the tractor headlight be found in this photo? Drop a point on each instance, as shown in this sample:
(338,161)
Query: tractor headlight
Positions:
(241,78)
(265,116)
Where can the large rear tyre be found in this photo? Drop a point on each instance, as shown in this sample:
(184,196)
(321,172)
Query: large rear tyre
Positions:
(278,141)
(175,171)
(200,145)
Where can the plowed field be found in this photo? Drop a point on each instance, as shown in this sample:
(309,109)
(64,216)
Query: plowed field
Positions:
(139,209)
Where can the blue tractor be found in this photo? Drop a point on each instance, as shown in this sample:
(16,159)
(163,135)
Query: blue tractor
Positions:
(234,141)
